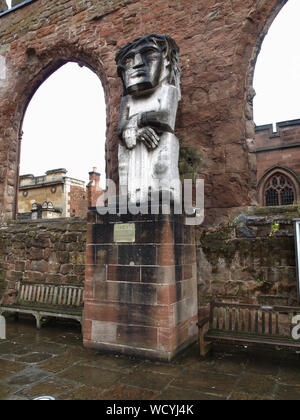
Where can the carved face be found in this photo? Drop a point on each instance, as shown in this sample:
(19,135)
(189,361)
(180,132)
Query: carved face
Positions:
(142,67)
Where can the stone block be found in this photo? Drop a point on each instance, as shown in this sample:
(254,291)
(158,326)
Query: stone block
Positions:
(124,274)
(36,253)
(66,268)
(137,336)
(104,332)
(185,310)
(137,255)
(106,254)
(41,266)
(158,275)
(166,255)
(150,233)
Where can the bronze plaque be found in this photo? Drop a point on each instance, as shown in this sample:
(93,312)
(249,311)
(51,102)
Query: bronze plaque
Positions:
(124,233)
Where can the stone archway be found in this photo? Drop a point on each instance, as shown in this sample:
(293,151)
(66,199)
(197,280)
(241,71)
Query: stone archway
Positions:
(38,69)
(270,11)
(218,44)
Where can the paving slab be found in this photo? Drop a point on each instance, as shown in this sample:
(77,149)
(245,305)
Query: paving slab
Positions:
(53,361)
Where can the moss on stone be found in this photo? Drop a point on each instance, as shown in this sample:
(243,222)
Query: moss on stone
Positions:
(218,244)
(190,162)
(271,211)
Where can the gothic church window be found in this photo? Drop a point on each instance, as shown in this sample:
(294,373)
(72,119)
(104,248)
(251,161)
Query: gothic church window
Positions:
(279,190)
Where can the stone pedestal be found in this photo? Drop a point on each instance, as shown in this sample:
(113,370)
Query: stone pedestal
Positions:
(140,296)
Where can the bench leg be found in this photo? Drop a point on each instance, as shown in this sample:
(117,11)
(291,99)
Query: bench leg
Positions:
(204,346)
(38,319)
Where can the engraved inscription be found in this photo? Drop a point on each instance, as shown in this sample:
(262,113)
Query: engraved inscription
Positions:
(124,233)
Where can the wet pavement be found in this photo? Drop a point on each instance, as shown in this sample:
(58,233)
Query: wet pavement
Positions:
(53,362)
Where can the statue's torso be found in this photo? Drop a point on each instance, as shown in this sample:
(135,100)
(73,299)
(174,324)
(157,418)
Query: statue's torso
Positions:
(164,98)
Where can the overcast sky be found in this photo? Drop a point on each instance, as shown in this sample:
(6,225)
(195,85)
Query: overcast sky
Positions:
(277,74)
(65,123)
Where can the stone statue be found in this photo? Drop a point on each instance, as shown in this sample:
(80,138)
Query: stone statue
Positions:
(148,150)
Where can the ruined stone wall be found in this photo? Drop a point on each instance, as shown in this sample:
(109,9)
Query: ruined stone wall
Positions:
(43,251)
(251,260)
(219,42)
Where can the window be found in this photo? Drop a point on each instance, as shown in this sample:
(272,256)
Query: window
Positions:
(279,190)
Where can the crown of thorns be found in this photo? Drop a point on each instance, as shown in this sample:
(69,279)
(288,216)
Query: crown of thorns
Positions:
(164,42)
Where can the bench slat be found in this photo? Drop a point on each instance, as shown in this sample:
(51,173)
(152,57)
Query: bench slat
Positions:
(55,296)
(41,294)
(24,293)
(224,319)
(80,297)
(243,319)
(270,323)
(46,295)
(60,296)
(69,296)
(75,292)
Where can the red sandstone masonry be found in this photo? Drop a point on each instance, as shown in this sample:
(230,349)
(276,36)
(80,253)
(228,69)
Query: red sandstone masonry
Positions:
(218,43)
(43,251)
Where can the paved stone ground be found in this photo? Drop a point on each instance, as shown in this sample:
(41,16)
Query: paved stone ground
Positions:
(53,362)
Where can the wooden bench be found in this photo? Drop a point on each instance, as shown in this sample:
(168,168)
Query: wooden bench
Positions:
(247,324)
(45,300)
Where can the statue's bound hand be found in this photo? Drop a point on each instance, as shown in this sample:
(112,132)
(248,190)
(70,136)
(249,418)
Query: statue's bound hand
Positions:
(129,136)
(149,137)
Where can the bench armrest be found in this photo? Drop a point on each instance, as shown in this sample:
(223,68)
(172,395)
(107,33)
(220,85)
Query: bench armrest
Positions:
(8,293)
(203,322)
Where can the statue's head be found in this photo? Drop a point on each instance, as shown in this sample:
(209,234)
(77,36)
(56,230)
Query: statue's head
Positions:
(146,61)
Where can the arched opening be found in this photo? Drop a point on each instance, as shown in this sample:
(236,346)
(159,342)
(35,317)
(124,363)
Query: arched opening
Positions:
(276,114)
(62,145)
(277,71)
(279,187)
(279,191)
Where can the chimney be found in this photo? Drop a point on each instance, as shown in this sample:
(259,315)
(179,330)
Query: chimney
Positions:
(93,188)
(95,176)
